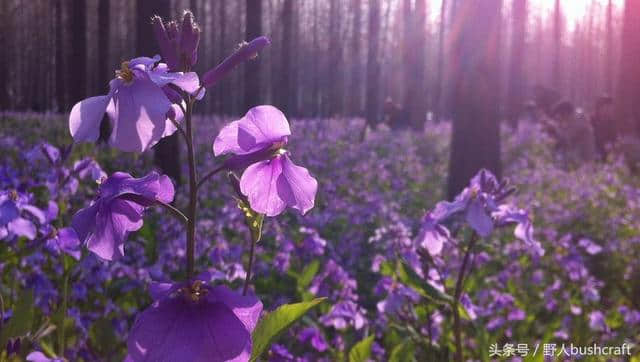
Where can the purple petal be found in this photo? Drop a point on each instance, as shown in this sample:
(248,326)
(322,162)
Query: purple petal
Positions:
(112,226)
(479,219)
(296,186)
(85,118)
(175,329)
(22,227)
(261,127)
(138,111)
(259,184)
(8,211)
(432,237)
(69,242)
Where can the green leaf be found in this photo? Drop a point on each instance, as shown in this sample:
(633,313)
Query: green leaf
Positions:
(402,352)
(22,319)
(362,350)
(406,275)
(307,274)
(276,322)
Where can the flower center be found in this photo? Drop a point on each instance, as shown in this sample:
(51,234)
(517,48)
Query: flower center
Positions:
(13,195)
(195,291)
(124,72)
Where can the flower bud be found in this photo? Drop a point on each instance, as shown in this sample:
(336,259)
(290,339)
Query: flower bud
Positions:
(166,42)
(189,39)
(245,52)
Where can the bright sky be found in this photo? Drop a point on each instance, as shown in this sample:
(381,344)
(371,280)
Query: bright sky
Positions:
(574,10)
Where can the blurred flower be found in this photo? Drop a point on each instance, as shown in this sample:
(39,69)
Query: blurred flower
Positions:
(38,356)
(65,240)
(16,216)
(194,322)
(271,181)
(117,210)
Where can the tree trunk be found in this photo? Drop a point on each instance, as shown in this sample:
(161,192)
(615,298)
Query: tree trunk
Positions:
(4,55)
(355,95)
(167,151)
(609,49)
(629,81)
(557,47)
(475,139)
(437,99)
(516,72)
(284,91)
(252,75)
(335,67)
(104,66)
(77,69)
(61,75)
(373,66)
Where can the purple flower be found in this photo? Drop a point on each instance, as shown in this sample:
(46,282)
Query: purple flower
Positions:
(343,314)
(65,240)
(117,210)
(194,322)
(597,321)
(16,216)
(432,235)
(313,336)
(271,181)
(38,356)
(136,105)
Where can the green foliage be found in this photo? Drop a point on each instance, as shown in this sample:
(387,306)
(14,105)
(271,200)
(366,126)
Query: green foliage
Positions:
(361,351)
(409,277)
(22,319)
(275,323)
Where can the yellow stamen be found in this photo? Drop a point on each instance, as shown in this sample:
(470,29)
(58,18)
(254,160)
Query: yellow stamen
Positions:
(124,72)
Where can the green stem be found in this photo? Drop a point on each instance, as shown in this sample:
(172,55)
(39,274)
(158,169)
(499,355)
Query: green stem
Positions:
(193,191)
(247,279)
(457,295)
(63,312)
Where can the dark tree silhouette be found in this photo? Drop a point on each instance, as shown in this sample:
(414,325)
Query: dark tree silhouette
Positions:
(515,94)
(556,71)
(252,77)
(105,71)
(475,140)
(284,87)
(629,82)
(61,74)
(373,65)
(437,94)
(609,49)
(77,61)
(334,65)
(355,95)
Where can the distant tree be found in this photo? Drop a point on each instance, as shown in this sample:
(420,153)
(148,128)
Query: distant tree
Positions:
(475,140)
(556,70)
(77,60)
(609,49)
(355,94)
(335,66)
(629,82)
(5,27)
(515,94)
(61,74)
(104,66)
(284,92)
(253,29)
(437,94)
(417,98)
(373,65)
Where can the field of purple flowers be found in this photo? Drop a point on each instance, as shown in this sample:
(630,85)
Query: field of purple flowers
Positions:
(553,262)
